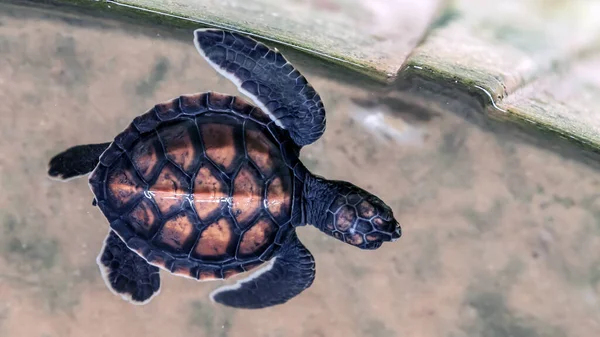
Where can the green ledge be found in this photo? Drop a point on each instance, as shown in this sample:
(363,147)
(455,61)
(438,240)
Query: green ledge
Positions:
(502,55)
(505,55)
(565,102)
(371,37)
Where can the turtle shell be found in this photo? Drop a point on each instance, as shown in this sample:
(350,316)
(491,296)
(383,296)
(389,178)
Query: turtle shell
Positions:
(204,186)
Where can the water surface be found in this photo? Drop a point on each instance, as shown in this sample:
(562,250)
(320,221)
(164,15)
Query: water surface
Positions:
(501,238)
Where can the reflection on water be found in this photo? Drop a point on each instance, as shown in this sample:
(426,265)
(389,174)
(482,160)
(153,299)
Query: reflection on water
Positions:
(501,238)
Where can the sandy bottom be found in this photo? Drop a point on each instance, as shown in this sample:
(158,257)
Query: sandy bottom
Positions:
(500,238)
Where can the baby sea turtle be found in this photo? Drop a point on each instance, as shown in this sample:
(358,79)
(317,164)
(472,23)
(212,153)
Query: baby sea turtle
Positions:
(207,185)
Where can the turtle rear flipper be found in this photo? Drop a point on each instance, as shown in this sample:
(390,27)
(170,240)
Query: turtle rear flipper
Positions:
(264,75)
(284,277)
(127,274)
(76,161)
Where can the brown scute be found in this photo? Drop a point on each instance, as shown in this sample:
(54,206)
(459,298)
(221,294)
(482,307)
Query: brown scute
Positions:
(278,196)
(379,223)
(122,187)
(208,276)
(227,273)
(215,239)
(257,238)
(192,104)
(345,218)
(366,210)
(219,101)
(170,189)
(241,106)
(260,116)
(209,194)
(157,261)
(183,268)
(373,237)
(143,218)
(219,143)
(247,195)
(183,271)
(262,151)
(167,110)
(178,144)
(251,266)
(355,239)
(177,232)
(145,157)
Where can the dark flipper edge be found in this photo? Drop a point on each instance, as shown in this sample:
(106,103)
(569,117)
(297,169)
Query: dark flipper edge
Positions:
(284,277)
(127,274)
(264,75)
(76,161)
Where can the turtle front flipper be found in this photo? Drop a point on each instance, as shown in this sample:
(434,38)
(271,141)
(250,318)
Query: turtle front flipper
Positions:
(284,277)
(127,274)
(76,161)
(264,75)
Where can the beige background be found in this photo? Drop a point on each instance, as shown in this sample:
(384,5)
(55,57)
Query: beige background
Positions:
(500,238)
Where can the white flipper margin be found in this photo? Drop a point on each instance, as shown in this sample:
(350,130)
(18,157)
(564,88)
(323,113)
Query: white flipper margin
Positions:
(232,78)
(239,283)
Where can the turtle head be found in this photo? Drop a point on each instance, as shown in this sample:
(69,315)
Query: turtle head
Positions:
(349,213)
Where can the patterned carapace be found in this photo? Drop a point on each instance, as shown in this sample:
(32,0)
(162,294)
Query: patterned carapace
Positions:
(199,186)
(207,185)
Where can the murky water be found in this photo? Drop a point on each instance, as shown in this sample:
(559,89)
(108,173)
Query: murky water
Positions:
(501,238)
